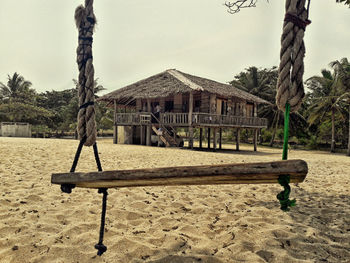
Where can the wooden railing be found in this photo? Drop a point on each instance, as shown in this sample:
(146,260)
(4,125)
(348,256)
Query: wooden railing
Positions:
(181,119)
(174,118)
(135,118)
(213,119)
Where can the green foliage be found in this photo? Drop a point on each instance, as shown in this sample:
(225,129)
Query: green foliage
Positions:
(326,102)
(346,2)
(312,143)
(17,89)
(279,134)
(53,110)
(266,135)
(104,117)
(20,112)
(262,83)
(19,102)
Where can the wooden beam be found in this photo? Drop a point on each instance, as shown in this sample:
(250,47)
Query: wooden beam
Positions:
(255,110)
(148,127)
(190,127)
(220,138)
(115,127)
(214,138)
(142,135)
(245,173)
(208,138)
(238,134)
(200,138)
(255,139)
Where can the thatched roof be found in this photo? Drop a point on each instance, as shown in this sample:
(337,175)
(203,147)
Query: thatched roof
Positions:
(171,82)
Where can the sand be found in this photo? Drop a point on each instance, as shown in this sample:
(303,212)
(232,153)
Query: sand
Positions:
(212,224)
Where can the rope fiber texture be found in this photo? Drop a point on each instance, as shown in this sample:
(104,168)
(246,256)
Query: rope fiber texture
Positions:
(85,21)
(290,88)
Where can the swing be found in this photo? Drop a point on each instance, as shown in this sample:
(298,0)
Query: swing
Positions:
(289,95)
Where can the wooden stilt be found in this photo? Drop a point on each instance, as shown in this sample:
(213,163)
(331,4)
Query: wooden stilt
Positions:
(190,128)
(220,138)
(208,138)
(190,137)
(115,127)
(238,134)
(142,135)
(247,173)
(148,127)
(115,134)
(255,139)
(214,138)
(200,137)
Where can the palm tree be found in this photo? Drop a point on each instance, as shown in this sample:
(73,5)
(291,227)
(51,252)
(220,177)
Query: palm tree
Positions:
(259,82)
(342,69)
(17,90)
(262,83)
(97,87)
(324,99)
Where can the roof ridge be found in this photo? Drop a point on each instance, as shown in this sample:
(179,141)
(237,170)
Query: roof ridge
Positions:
(189,83)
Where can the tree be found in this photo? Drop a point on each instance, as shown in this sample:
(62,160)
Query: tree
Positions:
(342,69)
(236,6)
(21,112)
(324,99)
(17,90)
(262,83)
(19,102)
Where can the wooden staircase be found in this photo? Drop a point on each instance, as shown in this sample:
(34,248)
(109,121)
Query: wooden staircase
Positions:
(164,135)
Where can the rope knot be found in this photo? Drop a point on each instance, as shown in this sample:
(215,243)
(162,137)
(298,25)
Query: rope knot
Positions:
(290,87)
(296,20)
(283,196)
(100,249)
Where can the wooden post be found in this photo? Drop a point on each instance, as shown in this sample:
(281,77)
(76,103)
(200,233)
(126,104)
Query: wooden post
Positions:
(237,138)
(142,135)
(214,138)
(255,110)
(132,131)
(208,138)
(148,128)
(190,127)
(255,139)
(200,137)
(220,138)
(115,127)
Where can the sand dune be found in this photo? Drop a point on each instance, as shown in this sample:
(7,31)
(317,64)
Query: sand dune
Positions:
(212,224)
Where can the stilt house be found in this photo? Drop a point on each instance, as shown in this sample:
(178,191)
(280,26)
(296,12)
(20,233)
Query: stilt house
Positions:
(160,104)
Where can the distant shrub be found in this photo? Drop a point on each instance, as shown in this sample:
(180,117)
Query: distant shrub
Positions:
(266,135)
(312,143)
(280,134)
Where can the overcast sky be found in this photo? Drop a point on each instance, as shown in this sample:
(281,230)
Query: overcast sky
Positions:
(136,39)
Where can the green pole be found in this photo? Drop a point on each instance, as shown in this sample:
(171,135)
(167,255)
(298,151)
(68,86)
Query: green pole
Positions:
(284,180)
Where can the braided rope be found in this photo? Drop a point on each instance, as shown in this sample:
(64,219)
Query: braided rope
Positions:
(290,88)
(85,21)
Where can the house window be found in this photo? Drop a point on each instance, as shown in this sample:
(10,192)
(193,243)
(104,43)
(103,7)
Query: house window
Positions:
(224,107)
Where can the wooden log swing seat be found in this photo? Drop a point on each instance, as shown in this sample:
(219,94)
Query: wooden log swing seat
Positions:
(246,173)
(290,92)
